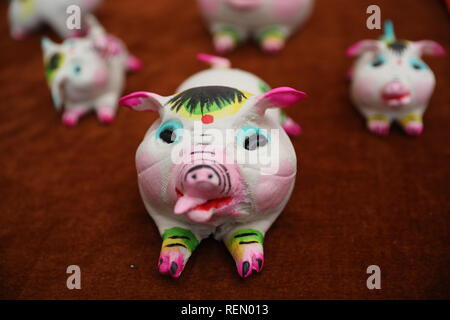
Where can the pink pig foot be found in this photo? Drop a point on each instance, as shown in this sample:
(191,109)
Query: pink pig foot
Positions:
(106,114)
(172,261)
(69,121)
(252,260)
(70,117)
(246,248)
(291,127)
(134,64)
(18,34)
(177,246)
(414,128)
(272,44)
(224,43)
(380,128)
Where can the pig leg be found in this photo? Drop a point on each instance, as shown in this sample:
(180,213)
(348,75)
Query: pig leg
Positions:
(227,37)
(291,127)
(246,247)
(379,124)
(106,107)
(412,124)
(272,39)
(133,63)
(18,32)
(73,114)
(177,246)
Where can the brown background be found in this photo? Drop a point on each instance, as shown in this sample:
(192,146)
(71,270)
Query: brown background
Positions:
(69,196)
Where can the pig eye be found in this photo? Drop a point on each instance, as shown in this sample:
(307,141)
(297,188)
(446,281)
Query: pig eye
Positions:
(76,69)
(251,138)
(378,62)
(54,62)
(418,64)
(170,131)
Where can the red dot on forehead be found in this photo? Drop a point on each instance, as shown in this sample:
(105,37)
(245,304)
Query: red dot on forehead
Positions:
(399,61)
(207,118)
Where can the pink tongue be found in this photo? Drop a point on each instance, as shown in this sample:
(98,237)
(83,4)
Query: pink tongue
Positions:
(187,203)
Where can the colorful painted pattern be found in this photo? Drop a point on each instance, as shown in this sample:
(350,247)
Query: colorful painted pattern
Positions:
(410,117)
(272,32)
(228,31)
(379,117)
(246,247)
(179,237)
(177,246)
(52,65)
(208,103)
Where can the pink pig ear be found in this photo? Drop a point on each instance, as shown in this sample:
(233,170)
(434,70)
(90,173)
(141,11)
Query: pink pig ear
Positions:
(142,101)
(363,46)
(428,47)
(282,97)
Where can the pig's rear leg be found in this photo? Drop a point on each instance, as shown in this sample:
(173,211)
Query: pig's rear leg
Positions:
(177,246)
(227,37)
(133,63)
(291,127)
(272,39)
(246,247)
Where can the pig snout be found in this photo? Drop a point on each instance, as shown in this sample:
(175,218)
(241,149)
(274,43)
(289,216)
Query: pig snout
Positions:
(202,180)
(396,94)
(244,4)
(205,186)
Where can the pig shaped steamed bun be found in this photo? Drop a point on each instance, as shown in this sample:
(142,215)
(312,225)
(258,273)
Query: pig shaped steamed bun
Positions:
(87,74)
(216,162)
(269,22)
(390,81)
(26,16)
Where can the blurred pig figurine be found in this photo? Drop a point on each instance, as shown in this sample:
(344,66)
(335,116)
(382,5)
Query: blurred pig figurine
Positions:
(217,161)
(87,73)
(270,22)
(28,15)
(390,82)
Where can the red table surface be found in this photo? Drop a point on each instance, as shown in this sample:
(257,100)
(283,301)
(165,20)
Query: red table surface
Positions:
(70,196)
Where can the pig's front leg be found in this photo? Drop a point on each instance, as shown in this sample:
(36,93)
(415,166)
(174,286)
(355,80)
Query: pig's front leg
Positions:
(106,107)
(379,124)
(272,39)
(177,246)
(246,247)
(227,37)
(18,32)
(73,113)
(412,123)
(22,27)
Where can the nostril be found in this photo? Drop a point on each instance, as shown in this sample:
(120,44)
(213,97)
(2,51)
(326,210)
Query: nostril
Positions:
(210,176)
(194,176)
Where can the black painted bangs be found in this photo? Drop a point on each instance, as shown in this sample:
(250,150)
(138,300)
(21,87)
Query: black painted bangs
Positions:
(201,99)
(398,46)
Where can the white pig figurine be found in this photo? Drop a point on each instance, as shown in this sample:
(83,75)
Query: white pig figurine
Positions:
(270,22)
(390,81)
(26,16)
(216,162)
(87,74)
